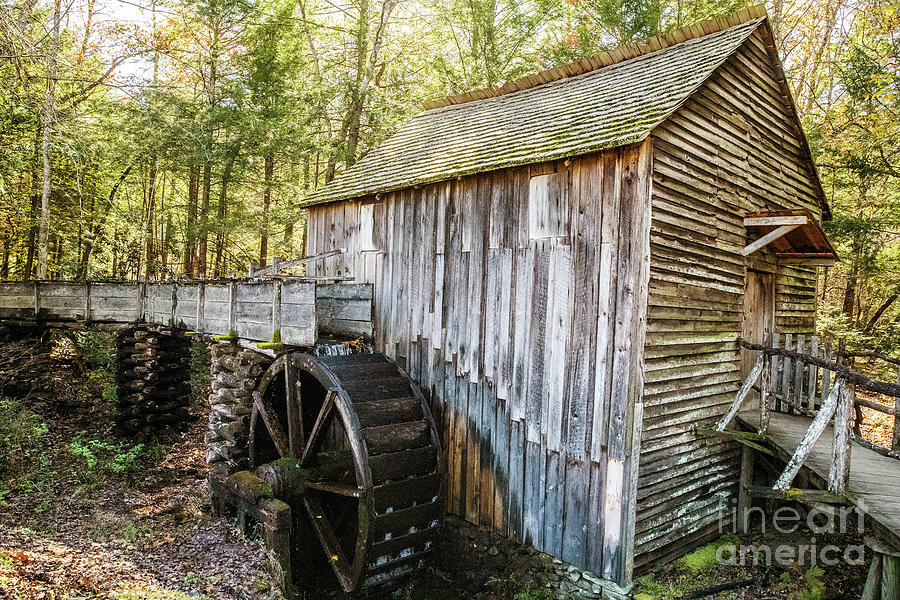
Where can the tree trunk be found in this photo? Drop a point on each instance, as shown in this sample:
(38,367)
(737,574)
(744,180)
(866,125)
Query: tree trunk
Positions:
(94,232)
(267,200)
(32,236)
(149,254)
(48,121)
(881,310)
(204,220)
(222,210)
(190,233)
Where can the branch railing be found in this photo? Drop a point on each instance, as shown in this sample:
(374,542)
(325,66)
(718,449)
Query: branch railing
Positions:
(818,385)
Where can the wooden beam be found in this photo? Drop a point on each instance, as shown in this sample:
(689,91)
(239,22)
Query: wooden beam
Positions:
(278,265)
(760,221)
(767,239)
(809,262)
(799,495)
(741,395)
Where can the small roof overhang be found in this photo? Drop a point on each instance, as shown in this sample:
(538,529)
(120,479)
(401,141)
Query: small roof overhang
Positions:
(794,236)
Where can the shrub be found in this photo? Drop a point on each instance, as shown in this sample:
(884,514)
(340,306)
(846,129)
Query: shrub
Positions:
(97,349)
(22,442)
(200,372)
(103,461)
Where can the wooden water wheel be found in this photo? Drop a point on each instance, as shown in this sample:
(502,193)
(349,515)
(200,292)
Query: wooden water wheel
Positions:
(351,442)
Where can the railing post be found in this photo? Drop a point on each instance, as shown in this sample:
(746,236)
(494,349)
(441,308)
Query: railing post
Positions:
(839,475)
(764,384)
(764,394)
(895,445)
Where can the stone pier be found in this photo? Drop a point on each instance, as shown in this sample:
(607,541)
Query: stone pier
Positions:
(235,374)
(153,378)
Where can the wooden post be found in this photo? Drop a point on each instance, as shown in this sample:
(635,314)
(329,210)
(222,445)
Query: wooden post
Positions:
(764,384)
(872,589)
(812,380)
(172,316)
(87,301)
(895,445)
(37,299)
(744,500)
(276,310)
(826,375)
(232,309)
(142,301)
(890,577)
(785,374)
(839,475)
(798,373)
(201,300)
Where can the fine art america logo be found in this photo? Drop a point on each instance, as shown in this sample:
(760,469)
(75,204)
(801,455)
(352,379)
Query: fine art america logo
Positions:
(803,548)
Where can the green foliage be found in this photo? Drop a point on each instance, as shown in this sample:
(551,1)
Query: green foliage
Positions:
(528,593)
(102,461)
(111,394)
(22,440)
(797,584)
(97,349)
(132,532)
(705,557)
(200,372)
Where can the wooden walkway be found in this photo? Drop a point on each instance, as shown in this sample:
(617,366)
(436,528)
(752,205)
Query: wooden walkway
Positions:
(874,479)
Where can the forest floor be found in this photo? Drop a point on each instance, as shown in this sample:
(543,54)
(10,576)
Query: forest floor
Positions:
(86,513)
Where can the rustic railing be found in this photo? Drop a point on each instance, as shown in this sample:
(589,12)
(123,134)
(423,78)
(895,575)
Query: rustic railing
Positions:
(791,381)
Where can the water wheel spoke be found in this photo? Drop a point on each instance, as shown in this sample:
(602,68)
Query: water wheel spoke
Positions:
(329,539)
(323,421)
(269,416)
(294,402)
(338,488)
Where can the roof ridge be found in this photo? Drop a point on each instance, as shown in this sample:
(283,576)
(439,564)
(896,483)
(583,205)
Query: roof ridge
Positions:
(607,58)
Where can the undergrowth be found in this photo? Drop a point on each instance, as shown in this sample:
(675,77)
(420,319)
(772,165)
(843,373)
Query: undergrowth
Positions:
(101,462)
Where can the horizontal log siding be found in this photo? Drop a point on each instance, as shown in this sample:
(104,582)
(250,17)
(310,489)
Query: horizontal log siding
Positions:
(731,149)
(504,332)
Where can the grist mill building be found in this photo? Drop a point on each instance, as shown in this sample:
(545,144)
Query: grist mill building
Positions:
(564,266)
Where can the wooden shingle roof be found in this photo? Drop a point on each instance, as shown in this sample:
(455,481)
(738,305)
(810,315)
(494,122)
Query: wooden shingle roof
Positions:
(547,116)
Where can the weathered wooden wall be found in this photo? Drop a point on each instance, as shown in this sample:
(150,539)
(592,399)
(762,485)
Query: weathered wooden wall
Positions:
(290,311)
(526,331)
(731,149)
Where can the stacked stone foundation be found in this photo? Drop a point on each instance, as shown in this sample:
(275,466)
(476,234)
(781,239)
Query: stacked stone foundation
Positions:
(153,379)
(235,374)
(474,557)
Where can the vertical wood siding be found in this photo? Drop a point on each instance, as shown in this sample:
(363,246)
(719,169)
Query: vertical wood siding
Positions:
(529,348)
(731,149)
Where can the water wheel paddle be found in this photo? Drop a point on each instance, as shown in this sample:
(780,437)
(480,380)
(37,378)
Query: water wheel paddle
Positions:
(351,442)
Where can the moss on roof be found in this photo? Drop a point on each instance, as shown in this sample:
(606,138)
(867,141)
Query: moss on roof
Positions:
(614,105)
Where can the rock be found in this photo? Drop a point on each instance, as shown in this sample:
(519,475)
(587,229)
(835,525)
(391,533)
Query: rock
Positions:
(574,576)
(493,551)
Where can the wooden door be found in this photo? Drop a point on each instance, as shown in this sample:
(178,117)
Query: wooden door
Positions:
(759,314)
